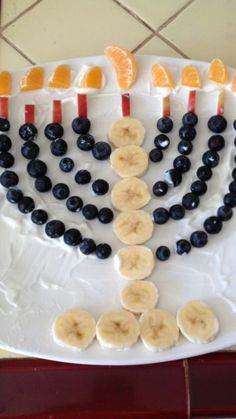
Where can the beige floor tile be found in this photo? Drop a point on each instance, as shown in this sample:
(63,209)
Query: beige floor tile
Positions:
(157,47)
(72,28)
(10,9)
(154,12)
(206,29)
(10,58)
(6,354)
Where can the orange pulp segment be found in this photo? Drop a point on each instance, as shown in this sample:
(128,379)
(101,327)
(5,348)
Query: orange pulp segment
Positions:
(161,76)
(218,71)
(233,85)
(5,83)
(125,65)
(33,80)
(190,77)
(61,77)
(92,79)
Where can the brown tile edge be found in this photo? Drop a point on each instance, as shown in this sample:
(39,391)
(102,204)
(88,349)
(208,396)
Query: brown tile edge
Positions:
(20,15)
(17,49)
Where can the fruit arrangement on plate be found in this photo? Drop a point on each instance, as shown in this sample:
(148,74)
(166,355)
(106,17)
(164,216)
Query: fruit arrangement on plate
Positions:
(100,208)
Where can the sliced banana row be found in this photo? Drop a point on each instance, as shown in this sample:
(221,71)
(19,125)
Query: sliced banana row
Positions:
(120,329)
(134,262)
(126,131)
(129,161)
(133,227)
(130,194)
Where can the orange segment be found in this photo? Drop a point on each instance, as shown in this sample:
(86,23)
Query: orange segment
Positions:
(124,64)
(33,80)
(92,78)
(161,76)
(218,72)
(190,77)
(5,83)
(233,85)
(61,77)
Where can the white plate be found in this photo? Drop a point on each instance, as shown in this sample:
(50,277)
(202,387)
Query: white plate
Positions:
(39,277)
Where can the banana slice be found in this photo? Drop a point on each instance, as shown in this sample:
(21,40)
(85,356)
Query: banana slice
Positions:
(129,161)
(130,194)
(74,328)
(134,262)
(197,322)
(139,296)
(126,131)
(158,329)
(133,227)
(117,329)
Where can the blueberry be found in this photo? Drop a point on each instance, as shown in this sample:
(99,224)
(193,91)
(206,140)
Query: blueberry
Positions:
(53,131)
(105,215)
(224,213)
(204,173)
(198,239)
(90,211)
(87,246)
(72,237)
(14,195)
(173,177)
(213,225)
(39,217)
(162,141)
(103,251)
(4,124)
(6,160)
(66,164)
(36,168)
(85,142)
(55,229)
(187,133)
(58,147)
(81,125)
(217,124)
(230,200)
(82,177)
(9,178)
(60,191)
(199,187)
(190,201)
(155,155)
(183,247)
(5,143)
(101,150)
(210,158)
(234,173)
(30,150)
(176,212)
(163,253)
(26,205)
(74,203)
(234,124)
(235,142)
(190,119)
(43,184)
(232,186)
(160,215)
(165,125)
(100,187)
(216,142)
(28,132)
(185,147)
(182,163)
(160,188)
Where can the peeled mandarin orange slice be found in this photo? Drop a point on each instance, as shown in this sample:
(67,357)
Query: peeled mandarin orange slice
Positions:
(124,64)
(161,76)
(5,83)
(190,77)
(218,72)
(233,85)
(33,80)
(92,79)
(61,77)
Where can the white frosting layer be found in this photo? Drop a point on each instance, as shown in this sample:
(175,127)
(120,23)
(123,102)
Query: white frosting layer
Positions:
(40,277)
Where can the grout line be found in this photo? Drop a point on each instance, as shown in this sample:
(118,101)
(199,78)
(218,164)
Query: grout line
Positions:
(144,42)
(186,380)
(17,49)
(20,15)
(171,18)
(173,46)
(133,14)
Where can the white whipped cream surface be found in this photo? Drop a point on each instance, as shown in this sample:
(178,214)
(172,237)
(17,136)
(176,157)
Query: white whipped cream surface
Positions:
(41,277)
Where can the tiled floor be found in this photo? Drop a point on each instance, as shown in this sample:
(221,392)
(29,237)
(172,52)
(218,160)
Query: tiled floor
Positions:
(45,30)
